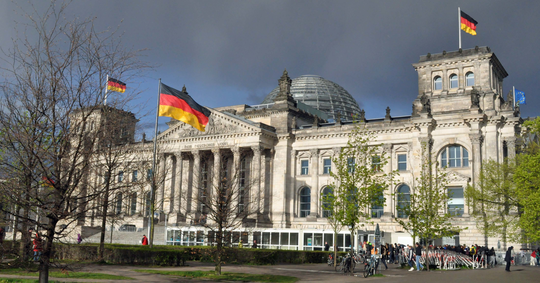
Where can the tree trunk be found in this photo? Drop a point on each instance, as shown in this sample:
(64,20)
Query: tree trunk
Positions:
(46,252)
(104,222)
(25,237)
(15,227)
(335,248)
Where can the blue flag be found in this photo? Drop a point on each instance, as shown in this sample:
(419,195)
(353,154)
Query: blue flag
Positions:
(520,97)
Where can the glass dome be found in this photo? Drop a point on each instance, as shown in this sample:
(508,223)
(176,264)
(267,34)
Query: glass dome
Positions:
(321,94)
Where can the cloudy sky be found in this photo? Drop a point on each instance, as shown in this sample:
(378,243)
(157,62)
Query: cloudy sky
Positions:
(233,52)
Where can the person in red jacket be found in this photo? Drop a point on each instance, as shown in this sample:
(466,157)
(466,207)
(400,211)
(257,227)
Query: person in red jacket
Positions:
(144,240)
(37,247)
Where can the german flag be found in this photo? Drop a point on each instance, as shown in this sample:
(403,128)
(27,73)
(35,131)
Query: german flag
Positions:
(116,85)
(180,106)
(468,24)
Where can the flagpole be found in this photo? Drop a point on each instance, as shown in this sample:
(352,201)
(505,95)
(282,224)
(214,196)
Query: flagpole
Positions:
(153,178)
(459,25)
(514,92)
(106,89)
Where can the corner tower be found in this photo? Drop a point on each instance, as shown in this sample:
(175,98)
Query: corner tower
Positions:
(460,81)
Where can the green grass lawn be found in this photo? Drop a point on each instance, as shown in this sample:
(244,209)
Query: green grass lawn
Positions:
(59,274)
(12,280)
(225,276)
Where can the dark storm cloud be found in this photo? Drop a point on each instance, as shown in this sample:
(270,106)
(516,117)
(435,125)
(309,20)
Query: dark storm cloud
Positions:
(233,52)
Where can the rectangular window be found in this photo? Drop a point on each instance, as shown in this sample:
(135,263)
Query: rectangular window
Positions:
(120,176)
(327,165)
(304,167)
(456,201)
(402,162)
(350,164)
(149,174)
(376,163)
(134,176)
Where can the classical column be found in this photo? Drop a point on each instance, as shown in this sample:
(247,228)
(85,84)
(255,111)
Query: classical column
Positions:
(476,140)
(187,174)
(168,187)
(196,179)
(314,182)
(216,169)
(262,183)
(177,201)
(255,180)
(235,174)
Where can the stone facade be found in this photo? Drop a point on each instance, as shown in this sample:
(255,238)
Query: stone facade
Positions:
(460,111)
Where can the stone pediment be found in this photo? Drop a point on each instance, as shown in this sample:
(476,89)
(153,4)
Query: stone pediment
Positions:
(218,124)
(457,177)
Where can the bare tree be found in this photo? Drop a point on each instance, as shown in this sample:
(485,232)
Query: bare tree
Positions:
(55,83)
(224,200)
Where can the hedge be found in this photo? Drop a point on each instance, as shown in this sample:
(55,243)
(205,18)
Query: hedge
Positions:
(177,255)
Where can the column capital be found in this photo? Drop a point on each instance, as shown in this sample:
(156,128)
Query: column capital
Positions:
(314,151)
(257,149)
(195,153)
(476,138)
(235,150)
(215,150)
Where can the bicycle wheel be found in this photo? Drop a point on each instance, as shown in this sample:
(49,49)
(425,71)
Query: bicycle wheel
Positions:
(366,271)
(338,267)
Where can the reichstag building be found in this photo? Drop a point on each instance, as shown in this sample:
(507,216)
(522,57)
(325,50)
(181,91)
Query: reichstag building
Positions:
(285,147)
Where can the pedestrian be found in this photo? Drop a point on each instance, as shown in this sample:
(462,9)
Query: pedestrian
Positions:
(418,252)
(79,238)
(326,246)
(37,247)
(368,248)
(508,258)
(254,244)
(538,257)
(391,253)
(533,258)
(144,240)
(410,256)
(384,255)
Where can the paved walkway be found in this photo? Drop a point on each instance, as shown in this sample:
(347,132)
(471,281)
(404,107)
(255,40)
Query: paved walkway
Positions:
(320,273)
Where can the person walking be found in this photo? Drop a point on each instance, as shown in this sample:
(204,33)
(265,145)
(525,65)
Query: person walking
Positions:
(240,245)
(254,244)
(79,238)
(144,240)
(410,256)
(37,247)
(418,252)
(326,246)
(538,257)
(391,253)
(384,255)
(508,258)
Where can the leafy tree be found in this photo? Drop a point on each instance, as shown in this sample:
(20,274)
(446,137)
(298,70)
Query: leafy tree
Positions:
(332,205)
(527,179)
(427,219)
(358,181)
(495,200)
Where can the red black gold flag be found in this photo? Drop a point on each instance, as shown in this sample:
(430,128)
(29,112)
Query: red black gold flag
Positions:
(116,85)
(468,24)
(180,106)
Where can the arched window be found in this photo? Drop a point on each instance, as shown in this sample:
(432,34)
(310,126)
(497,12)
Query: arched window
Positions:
(377,206)
(326,201)
(469,79)
(403,201)
(305,201)
(454,81)
(454,156)
(437,83)
(118,203)
(133,203)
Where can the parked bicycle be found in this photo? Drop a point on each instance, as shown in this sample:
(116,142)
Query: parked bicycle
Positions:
(370,266)
(347,265)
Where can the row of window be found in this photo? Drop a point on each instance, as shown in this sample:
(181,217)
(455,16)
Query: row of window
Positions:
(451,156)
(455,204)
(134,176)
(453,79)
